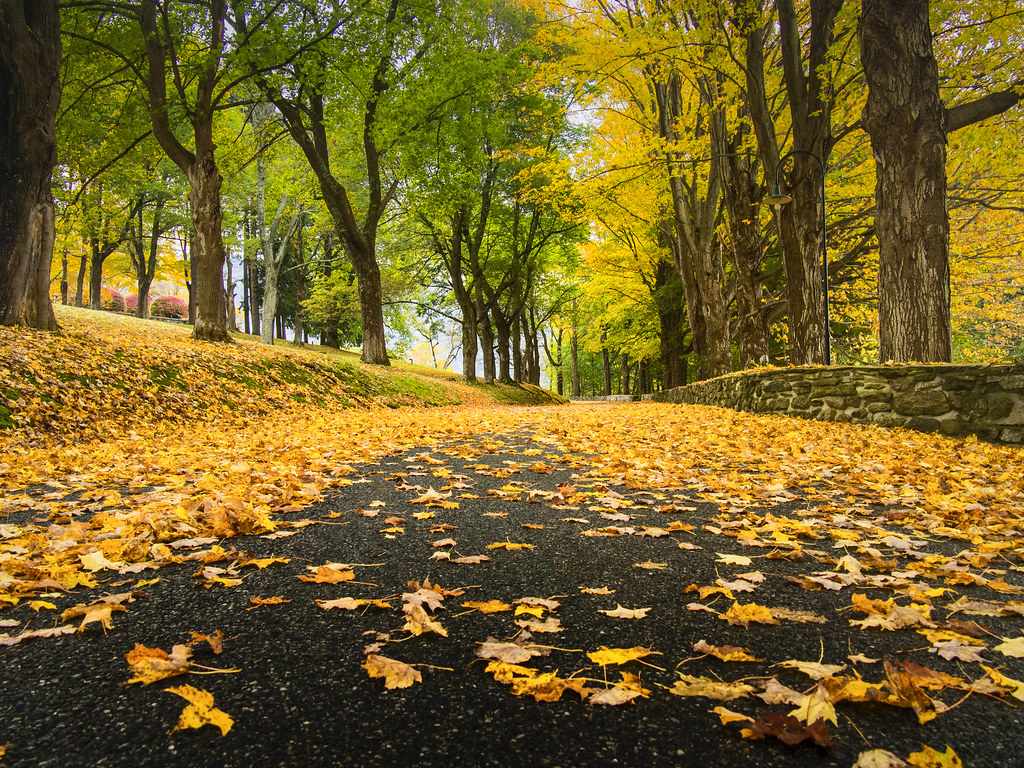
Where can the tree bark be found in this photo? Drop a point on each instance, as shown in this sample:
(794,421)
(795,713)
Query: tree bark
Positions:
(199,166)
(624,380)
(80,283)
(275,250)
(30,59)
(904,118)
(670,318)
(908,127)
(606,366)
(574,348)
(809,93)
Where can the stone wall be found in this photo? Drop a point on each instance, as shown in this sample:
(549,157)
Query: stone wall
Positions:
(986,400)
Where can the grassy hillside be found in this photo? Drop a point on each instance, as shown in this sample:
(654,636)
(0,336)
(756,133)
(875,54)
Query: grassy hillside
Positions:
(105,373)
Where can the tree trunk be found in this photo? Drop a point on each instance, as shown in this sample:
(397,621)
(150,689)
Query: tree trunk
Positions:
(95,274)
(574,348)
(30,59)
(606,366)
(905,120)
(229,294)
(208,250)
(200,167)
(64,287)
(624,381)
(516,348)
(809,94)
(486,333)
(300,290)
(80,283)
(504,336)
(668,300)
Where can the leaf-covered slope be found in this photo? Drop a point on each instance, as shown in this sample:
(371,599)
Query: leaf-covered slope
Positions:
(105,373)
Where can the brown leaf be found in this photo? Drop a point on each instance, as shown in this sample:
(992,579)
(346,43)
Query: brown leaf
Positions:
(788,730)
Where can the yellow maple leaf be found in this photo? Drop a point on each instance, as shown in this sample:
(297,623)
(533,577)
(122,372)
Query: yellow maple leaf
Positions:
(750,612)
(396,674)
(490,606)
(200,710)
(533,610)
(148,665)
(607,656)
(504,672)
(332,573)
(710,688)
(508,545)
(724,652)
(932,758)
(548,686)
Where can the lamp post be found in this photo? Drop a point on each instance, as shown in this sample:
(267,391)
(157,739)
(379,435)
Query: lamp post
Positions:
(778,199)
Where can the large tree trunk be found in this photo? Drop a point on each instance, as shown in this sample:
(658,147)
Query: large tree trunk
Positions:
(696,249)
(486,334)
(80,283)
(30,58)
(574,349)
(200,167)
(806,73)
(95,273)
(606,366)
(905,119)
(208,250)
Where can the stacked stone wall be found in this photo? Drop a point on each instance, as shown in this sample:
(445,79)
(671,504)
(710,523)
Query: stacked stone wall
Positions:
(986,400)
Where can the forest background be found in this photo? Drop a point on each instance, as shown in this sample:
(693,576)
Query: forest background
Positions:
(529,188)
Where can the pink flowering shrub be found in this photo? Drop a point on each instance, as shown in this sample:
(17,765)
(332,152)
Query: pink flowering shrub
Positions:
(111,300)
(168,306)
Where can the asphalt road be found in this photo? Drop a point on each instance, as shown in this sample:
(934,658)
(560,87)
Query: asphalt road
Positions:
(301,697)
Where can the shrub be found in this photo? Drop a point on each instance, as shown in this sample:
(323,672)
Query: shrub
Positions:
(111,300)
(168,306)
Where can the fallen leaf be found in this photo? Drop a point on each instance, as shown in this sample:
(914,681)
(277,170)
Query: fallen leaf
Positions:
(750,612)
(509,546)
(491,606)
(510,653)
(626,613)
(548,686)
(550,625)
(148,665)
(96,612)
(724,652)
(607,656)
(331,573)
(813,669)
(932,758)
(734,559)
(788,729)
(707,687)
(200,710)
(878,758)
(258,601)
(396,674)
(1011,647)
(648,565)
(471,559)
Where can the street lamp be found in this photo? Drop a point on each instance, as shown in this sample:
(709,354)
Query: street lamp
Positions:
(778,199)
